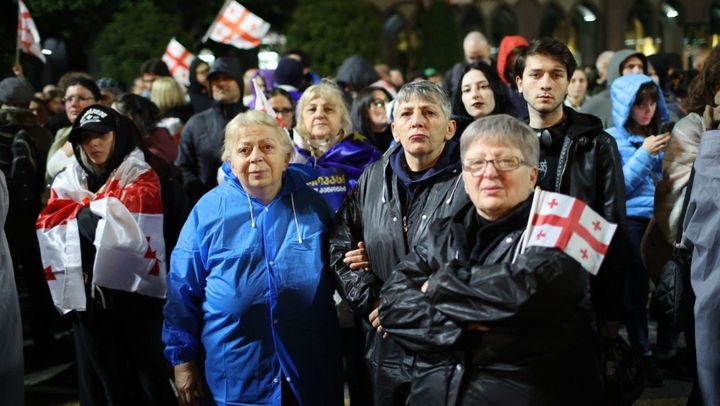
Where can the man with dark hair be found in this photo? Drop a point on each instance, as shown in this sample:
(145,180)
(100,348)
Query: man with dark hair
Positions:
(621,63)
(387,213)
(577,158)
(150,70)
(202,138)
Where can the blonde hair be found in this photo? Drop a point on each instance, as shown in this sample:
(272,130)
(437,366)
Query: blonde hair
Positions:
(332,94)
(167,93)
(235,129)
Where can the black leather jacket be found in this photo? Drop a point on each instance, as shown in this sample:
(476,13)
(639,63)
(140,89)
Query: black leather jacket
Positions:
(380,212)
(541,347)
(590,169)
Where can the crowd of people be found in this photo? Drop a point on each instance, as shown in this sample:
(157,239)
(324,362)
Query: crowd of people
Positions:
(367,235)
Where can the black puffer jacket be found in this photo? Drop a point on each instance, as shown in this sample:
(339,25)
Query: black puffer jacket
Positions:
(541,347)
(201,146)
(590,169)
(380,212)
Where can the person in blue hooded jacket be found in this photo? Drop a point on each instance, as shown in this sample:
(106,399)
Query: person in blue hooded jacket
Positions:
(250,304)
(638,109)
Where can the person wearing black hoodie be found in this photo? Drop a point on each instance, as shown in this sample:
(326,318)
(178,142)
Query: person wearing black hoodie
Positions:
(387,213)
(197,90)
(202,138)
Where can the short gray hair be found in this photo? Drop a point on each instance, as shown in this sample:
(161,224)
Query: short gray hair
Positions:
(427,91)
(235,129)
(506,129)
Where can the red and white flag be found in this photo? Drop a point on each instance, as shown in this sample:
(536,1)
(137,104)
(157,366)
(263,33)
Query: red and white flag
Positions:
(28,38)
(566,223)
(237,26)
(130,249)
(178,60)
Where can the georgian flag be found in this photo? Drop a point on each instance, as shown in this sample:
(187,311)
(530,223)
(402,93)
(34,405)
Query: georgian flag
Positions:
(130,249)
(237,26)
(563,222)
(178,60)
(28,38)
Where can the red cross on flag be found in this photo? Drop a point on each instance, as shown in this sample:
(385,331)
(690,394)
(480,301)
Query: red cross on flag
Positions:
(178,60)
(28,38)
(237,26)
(566,223)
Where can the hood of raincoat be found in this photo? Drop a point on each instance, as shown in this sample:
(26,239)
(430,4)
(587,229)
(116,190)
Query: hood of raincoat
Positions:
(623,92)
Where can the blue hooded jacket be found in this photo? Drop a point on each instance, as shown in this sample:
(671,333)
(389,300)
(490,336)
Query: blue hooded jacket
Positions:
(641,169)
(249,290)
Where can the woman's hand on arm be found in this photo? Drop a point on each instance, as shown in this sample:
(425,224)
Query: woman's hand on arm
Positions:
(188,383)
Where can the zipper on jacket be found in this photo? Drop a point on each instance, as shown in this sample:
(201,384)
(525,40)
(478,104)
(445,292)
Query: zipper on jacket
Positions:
(564,156)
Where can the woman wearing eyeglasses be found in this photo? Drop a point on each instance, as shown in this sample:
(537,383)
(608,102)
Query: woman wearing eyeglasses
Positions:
(79,93)
(492,326)
(282,103)
(369,116)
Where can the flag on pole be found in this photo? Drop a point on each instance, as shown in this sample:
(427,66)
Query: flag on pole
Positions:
(28,38)
(178,60)
(237,26)
(566,223)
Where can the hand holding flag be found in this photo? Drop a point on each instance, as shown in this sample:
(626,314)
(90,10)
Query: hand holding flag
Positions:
(566,223)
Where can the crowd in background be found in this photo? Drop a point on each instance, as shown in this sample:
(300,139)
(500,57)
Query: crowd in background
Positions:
(263,260)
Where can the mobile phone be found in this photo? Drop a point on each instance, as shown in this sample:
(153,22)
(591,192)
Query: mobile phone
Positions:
(667,127)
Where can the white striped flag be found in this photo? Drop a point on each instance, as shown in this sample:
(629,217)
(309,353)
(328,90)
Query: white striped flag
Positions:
(28,38)
(237,26)
(566,223)
(178,60)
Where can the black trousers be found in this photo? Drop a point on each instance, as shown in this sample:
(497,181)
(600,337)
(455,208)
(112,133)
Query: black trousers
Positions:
(119,352)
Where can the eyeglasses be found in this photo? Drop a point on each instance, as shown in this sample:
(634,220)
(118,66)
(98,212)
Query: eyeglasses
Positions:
(71,99)
(476,167)
(284,111)
(378,104)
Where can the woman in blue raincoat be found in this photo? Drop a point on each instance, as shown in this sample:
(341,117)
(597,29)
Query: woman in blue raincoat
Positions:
(249,297)
(638,109)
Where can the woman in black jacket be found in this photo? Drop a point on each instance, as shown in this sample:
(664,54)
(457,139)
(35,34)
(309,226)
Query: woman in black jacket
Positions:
(491,326)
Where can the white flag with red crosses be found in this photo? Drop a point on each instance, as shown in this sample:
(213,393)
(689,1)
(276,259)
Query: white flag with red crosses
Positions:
(28,38)
(263,104)
(566,223)
(237,26)
(178,60)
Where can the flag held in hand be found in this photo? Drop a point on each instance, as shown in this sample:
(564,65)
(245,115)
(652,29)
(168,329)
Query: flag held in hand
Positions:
(178,60)
(237,26)
(566,223)
(28,38)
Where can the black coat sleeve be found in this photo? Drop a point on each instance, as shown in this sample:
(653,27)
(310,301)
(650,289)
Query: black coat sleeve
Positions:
(407,314)
(541,285)
(187,160)
(609,285)
(359,288)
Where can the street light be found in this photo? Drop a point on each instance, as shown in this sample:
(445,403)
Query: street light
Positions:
(587,15)
(669,11)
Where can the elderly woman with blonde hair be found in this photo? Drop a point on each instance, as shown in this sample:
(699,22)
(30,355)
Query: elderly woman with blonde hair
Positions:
(249,300)
(324,140)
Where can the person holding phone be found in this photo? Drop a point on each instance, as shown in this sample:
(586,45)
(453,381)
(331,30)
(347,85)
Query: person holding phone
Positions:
(638,109)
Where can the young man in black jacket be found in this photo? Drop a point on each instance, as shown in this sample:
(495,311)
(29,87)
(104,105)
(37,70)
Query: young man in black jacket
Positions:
(388,212)
(577,158)
(203,136)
